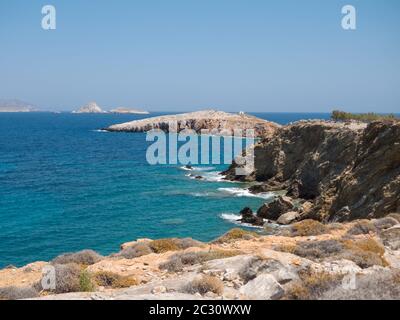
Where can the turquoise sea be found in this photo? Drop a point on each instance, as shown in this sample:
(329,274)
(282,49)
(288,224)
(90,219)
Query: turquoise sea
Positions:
(66,186)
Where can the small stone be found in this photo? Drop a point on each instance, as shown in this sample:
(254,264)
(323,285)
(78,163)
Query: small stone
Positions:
(159,290)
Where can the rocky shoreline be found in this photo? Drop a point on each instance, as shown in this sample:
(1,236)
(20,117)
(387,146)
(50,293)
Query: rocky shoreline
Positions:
(336,172)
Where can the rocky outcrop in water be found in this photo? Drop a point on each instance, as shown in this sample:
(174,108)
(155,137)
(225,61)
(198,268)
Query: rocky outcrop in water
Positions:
(348,171)
(222,122)
(91,107)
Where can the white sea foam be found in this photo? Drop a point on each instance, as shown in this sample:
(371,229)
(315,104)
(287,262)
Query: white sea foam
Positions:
(100,130)
(240,192)
(197,168)
(186,168)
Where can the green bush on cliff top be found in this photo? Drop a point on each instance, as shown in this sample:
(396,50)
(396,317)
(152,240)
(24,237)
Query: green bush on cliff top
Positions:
(344,116)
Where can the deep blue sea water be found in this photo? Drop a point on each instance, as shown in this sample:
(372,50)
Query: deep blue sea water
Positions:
(65,186)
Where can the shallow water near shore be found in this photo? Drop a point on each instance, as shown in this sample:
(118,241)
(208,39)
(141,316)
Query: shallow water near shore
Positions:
(65,186)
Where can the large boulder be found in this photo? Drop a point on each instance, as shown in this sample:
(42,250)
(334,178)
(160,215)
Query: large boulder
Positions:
(288,217)
(276,208)
(263,287)
(391,237)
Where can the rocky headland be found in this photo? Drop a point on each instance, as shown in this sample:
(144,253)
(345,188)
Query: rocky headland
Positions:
(330,171)
(220,121)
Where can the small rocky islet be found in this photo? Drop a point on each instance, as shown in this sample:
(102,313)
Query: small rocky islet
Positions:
(338,207)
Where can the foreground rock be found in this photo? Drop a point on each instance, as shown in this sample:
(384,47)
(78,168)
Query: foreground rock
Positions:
(274,209)
(347,171)
(225,123)
(307,260)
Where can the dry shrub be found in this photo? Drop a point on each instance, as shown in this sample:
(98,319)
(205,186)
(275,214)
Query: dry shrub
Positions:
(236,234)
(137,250)
(178,261)
(173,244)
(16,293)
(312,285)
(361,227)
(307,228)
(113,280)
(318,249)
(379,285)
(394,216)
(67,278)
(365,252)
(385,223)
(84,257)
(205,284)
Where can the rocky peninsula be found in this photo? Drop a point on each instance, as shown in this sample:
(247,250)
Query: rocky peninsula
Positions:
(199,120)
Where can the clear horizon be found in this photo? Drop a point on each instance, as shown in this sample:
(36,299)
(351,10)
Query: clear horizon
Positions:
(171,56)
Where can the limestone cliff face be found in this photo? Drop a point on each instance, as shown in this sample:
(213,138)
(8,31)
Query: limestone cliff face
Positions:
(197,121)
(349,171)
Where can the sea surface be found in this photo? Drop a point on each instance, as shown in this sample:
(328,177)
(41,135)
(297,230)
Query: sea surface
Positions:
(65,186)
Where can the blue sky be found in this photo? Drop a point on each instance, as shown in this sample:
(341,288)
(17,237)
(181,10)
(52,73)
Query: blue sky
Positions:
(250,55)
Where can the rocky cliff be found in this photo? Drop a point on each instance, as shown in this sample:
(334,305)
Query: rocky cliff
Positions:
(208,120)
(347,171)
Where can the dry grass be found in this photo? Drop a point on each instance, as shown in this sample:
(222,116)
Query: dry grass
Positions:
(113,280)
(173,244)
(306,228)
(236,234)
(163,245)
(178,261)
(205,284)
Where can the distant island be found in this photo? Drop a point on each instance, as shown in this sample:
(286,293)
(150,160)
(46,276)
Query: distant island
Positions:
(14,105)
(128,110)
(92,107)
